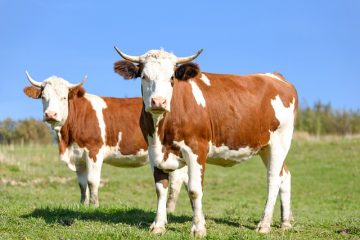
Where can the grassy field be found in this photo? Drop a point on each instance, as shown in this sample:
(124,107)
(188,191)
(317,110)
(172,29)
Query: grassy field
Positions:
(39,198)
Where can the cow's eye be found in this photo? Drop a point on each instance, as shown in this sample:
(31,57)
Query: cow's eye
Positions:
(63,98)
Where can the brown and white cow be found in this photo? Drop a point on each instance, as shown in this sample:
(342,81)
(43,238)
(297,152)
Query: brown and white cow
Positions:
(92,130)
(192,117)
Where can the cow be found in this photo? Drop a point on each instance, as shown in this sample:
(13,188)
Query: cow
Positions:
(91,130)
(192,117)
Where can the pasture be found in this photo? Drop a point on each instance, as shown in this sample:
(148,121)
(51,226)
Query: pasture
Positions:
(39,197)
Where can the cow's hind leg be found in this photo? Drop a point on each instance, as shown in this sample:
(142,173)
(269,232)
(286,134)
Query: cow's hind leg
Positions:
(285,195)
(274,156)
(81,172)
(177,178)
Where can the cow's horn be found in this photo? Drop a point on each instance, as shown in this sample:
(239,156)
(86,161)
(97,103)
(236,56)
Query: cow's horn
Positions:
(71,86)
(135,59)
(32,81)
(181,60)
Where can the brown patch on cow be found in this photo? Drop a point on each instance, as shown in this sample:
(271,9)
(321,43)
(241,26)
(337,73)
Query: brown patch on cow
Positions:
(33,92)
(187,71)
(123,115)
(81,126)
(127,69)
(162,177)
(284,168)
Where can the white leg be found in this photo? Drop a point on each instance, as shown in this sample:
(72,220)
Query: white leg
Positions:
(285,195)
(274,157)
(177,178)
(161,185)
(81,173)
(93,177)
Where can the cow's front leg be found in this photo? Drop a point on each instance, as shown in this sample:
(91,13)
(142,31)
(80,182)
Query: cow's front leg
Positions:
(93,177)
(81,172)
(161,184)
(195,159)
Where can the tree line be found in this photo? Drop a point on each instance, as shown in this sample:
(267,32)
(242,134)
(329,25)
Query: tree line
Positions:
(322,119)
(319,119)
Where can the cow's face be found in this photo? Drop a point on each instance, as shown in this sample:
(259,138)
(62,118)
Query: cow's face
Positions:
(157,69)
(156,80)
(55,93)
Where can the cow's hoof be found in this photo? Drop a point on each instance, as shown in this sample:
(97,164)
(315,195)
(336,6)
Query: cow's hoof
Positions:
(286,225)
(157,229)
(263,228)
(199,233)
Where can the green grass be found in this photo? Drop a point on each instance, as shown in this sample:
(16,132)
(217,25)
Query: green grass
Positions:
(39,198)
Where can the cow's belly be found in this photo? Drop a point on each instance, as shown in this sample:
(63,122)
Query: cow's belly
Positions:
(115,158)
(226,157)
(127,161)
(75,155)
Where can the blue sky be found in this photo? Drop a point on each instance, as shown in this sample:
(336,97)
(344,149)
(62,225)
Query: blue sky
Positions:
(314,44)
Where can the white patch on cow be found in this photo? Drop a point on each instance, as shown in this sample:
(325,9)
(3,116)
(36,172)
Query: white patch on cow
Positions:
(273,76)
(197,93)
(194,187)
(226,157)
(98,105)
(205,79)
(285,115)
(156,76)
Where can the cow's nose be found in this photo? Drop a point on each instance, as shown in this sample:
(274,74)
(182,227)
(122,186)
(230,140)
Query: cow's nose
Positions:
(50,115)
(158,102)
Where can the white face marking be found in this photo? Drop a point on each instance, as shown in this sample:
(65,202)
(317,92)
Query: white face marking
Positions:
(55,98)
(224,156)
(197,93)
(98,104)
(205,79)
(156,76)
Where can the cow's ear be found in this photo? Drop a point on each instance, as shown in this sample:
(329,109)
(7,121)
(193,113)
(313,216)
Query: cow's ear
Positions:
(127,69)
(32,92)
(187,71)
(77,92)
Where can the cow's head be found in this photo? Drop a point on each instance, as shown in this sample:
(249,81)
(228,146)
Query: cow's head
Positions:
(55,93)
(157,69)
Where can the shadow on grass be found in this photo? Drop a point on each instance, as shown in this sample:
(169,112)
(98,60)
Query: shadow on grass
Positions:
(133,217)
(67,216)
(234,223)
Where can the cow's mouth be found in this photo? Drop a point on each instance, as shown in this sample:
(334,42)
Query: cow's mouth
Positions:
(52,121)
(157,110)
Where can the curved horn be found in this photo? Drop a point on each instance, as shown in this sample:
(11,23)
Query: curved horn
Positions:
(71,86)
(181,60)
(32,81)
(135,59)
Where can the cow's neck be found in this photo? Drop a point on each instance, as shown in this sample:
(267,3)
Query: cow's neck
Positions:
(63,132)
